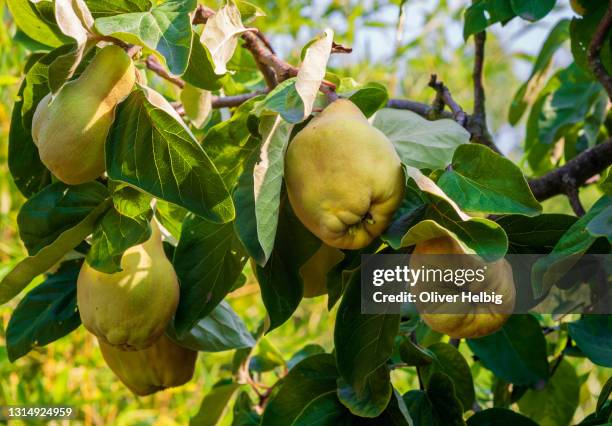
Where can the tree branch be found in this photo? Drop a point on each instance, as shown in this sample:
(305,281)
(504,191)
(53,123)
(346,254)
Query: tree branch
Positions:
(443,97)
(594,50)
(154,65)
(477,122)
(577,171)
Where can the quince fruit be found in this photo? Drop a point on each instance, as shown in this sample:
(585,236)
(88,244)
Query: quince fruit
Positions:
(70,128)
(131,308)
(344,178)
(462,319)
(162,365)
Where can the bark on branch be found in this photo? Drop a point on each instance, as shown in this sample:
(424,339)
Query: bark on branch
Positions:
(576,172)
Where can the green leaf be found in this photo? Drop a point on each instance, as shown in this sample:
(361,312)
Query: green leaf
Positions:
(420,408)
(499,417)
(483,13)
(46,314)
(148,148)
(601,224)
(221,330)
(200,70)
(170,216)
(56,209)
(30,21)
(230,144)
(307,351)
(593,335)
(113,235)
(556,403)
(515,353)
(244,413)
(279,280)
(483,181)
(535,235)
(555,39)
(604,395)
(363,342)
(421,143)
(370,401)
(215,404)
(532,10)
(369,97)
(165,29)
(208,260)
(448,360)
(284,100)
(325,410)
(312,378)
(414,355)
(100,8)
(268,179)
(441,392)
(29,268)
(575,242)
(409,213)
(246,221)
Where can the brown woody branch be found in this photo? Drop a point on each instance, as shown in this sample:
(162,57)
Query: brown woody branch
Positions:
(444,97)
(575,172)
(594,51)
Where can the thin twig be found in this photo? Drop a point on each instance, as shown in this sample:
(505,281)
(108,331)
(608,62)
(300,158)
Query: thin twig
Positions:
(444,95)
(338,48)
(594,51)
(201,15)
(154,65)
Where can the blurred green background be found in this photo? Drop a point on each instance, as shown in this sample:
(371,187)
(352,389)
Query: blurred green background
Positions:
(400,51)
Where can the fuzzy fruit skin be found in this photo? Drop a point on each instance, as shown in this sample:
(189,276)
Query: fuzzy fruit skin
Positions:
(130,309)
(344,178)
(70,129)
(314,271)
(160,366)
(475,320)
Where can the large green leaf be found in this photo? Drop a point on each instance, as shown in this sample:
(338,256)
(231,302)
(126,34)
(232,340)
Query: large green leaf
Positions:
(165,29)
(148,148)
(363,342)
(56,209)
(483,181)
(29,268)
(554,404)
(30,21)
(221,330)
(499,417)
(46,313)
(208,260)
(284,100)
(312,378)
(421,143)
(601,224)
(280,280)
(593,335)
(515,353)
(447,359)
(569,249)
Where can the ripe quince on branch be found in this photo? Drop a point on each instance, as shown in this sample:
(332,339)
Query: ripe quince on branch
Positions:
(70,128)
(471,320)
(344,178)
(130,309)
